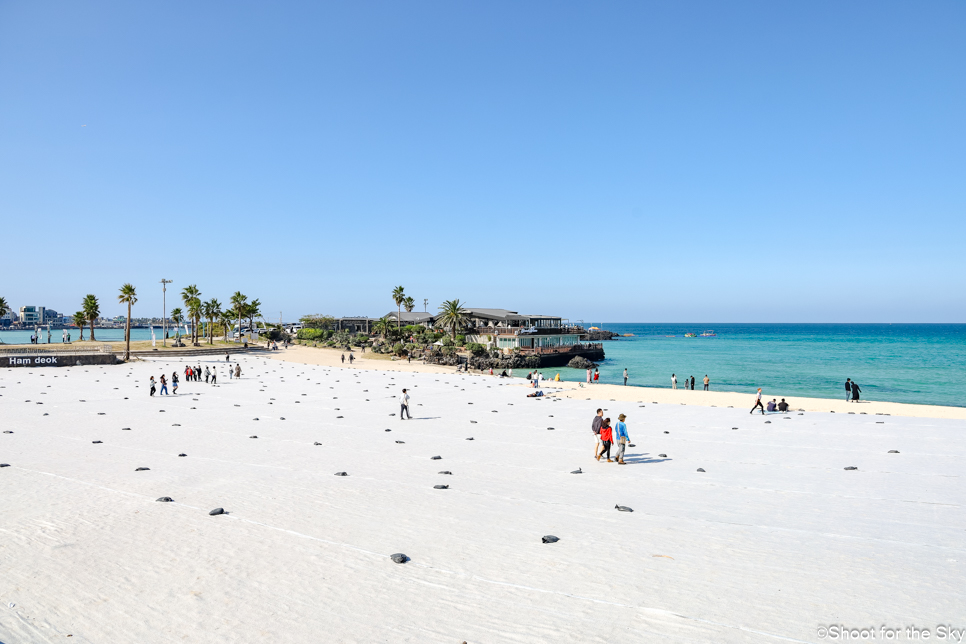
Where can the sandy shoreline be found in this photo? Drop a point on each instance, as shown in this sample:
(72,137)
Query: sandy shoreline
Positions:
(607,392)
(744,529)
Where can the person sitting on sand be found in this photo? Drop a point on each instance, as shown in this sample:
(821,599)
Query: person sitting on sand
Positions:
(503,375)
(606,438)
(771,405)
(783,406)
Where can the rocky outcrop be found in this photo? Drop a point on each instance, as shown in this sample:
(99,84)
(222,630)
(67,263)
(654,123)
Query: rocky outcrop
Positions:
(581,363)
(597,336)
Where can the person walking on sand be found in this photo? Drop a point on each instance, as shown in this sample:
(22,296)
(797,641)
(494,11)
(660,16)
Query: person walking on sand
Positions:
(620,434)
(706,382)
(596,376)
(692,383)
(606,439)
(198,373)
(758,404)
(674,381)
(404,406)
(227,357)
(207,374)
(164,386)
(174,382)
(855,391)
(590,374)
(343,358)
(153,388)
(595,427)
(230,372)
(625,376)
(352,358)
(848,389)
(238,370)
(214,375)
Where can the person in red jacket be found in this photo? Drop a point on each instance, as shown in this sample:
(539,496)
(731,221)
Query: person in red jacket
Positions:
(606,439)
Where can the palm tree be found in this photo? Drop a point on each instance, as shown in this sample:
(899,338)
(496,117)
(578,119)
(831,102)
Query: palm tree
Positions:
(176,317)
(79,320)
(4,307)
(238,306)
(382,326)
(452,316)
(253,310)
(409,304)
(224,318)
(191,297)
(92,311)
(127,296)
(398,296)
(212,309)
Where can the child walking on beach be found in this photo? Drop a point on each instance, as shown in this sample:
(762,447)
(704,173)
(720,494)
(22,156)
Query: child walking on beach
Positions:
(622,438)
(606,439)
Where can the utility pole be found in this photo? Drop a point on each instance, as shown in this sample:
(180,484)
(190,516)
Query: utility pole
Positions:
(425,304)
(164,313)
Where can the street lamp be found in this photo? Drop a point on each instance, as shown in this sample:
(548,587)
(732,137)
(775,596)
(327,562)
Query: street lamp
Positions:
(164,313)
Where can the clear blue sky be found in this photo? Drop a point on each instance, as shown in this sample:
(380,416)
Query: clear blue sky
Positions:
(682,161)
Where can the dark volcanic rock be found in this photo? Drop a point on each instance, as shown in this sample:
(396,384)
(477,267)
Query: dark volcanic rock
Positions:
(165,499)
(217,511)
(399,558)
(550,539)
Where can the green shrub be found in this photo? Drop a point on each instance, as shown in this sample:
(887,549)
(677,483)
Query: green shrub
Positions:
(460,340)
(399,349)
(312,334)
(476,348)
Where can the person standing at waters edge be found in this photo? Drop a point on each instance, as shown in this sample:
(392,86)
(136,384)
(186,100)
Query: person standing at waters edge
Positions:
(848,389)
(674,381)
(404,406)
(596,376)
(343,358)
(623,439)
(606,439)
(855,392)
(758,404)
(706,382)
(692,383)
(595,427)
(625,376)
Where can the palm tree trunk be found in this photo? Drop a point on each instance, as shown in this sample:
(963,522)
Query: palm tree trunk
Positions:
(92,329)
(127,333)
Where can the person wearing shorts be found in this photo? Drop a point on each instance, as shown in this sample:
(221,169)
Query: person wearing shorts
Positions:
(595,427)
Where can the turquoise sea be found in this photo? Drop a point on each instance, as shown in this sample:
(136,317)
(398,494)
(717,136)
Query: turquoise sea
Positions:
(914,363)
(911,363)
(104,335)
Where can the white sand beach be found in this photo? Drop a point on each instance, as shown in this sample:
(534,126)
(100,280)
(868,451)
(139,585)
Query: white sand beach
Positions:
(773,541)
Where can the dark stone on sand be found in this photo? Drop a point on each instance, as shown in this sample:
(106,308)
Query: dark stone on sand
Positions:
(470,438)
(550,539)
(401,442)
(700,469)
(734,428)
(851,467)
(341,474)
(100,413)
(165,499)
(436,458)
(388,430)
(662,455)
(445,472)
(253,436)
(880,422)
(472,421)
(578,471)
(768,422)
(96,442)
(399,558)
(254,419)
(180,455)
(631,445)
(176,425)
(4,464)
(623,508)
(667,432)
(893,451)
(440,487)
(125,429)
(550,428)
(142,469)
(217,511)
(344,416)
(7,431)
(318,443)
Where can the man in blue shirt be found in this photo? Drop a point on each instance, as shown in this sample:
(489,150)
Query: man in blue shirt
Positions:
(620,435)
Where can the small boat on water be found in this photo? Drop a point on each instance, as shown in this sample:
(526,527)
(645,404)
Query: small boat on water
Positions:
(709,334)
(690,335)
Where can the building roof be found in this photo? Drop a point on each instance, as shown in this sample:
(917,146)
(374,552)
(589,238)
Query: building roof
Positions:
(495,314)
(411,316)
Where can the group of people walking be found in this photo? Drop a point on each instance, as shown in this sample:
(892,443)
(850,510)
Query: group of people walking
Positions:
(689,382)
(607,436)
(192,374)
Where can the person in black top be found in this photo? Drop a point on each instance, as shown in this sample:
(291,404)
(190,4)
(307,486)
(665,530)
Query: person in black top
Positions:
(692,383)
(855,392)
(848,389)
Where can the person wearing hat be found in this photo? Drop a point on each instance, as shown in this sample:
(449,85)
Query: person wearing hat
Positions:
(621,437)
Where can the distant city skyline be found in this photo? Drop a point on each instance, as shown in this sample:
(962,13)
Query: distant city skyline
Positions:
(641,162)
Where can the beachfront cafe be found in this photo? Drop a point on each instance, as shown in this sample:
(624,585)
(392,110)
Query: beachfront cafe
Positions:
(510,331)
